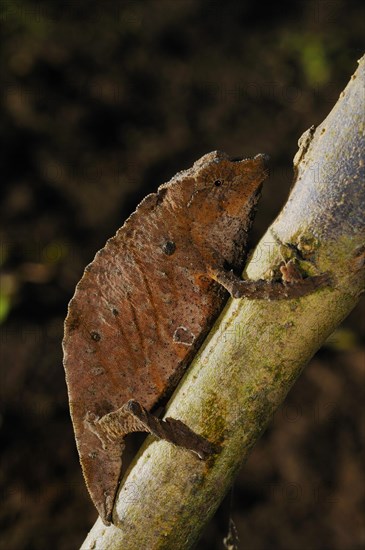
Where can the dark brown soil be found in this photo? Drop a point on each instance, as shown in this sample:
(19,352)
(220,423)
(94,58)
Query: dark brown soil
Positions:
(100,103)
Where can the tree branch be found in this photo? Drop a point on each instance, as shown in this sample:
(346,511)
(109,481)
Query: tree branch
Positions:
(257,349)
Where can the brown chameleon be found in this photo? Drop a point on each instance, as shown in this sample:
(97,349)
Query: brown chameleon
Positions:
(145,304)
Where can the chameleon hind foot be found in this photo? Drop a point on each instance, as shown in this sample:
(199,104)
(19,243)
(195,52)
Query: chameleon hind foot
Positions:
(133,417)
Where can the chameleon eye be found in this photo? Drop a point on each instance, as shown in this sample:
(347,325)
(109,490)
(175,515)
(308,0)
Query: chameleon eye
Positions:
(218,183)
(169,248)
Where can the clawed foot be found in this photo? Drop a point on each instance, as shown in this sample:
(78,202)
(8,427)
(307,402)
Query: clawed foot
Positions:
(133,417)
(293,284)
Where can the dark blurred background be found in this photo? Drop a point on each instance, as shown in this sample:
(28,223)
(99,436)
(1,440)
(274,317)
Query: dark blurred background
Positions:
(100,103)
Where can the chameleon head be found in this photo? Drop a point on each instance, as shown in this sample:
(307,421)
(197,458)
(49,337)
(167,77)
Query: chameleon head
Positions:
(223,185)
(223,194)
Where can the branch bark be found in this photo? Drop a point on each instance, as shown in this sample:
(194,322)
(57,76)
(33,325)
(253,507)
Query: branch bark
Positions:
(257,349)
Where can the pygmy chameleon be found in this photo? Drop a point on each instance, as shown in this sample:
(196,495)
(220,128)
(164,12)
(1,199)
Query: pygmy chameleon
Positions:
(146,302)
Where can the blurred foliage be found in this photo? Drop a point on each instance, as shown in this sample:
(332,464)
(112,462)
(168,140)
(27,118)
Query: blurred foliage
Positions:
(342,339)
(4,305)
(313,54)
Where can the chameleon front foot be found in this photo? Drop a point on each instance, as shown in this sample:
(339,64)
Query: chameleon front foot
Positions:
(293,285)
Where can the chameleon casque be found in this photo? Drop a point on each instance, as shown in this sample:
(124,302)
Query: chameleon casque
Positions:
(146,302)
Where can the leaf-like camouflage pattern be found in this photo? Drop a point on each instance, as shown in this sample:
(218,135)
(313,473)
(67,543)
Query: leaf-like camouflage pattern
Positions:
(145,303)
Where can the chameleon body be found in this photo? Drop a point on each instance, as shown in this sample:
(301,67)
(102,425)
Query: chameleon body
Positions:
(145,304)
